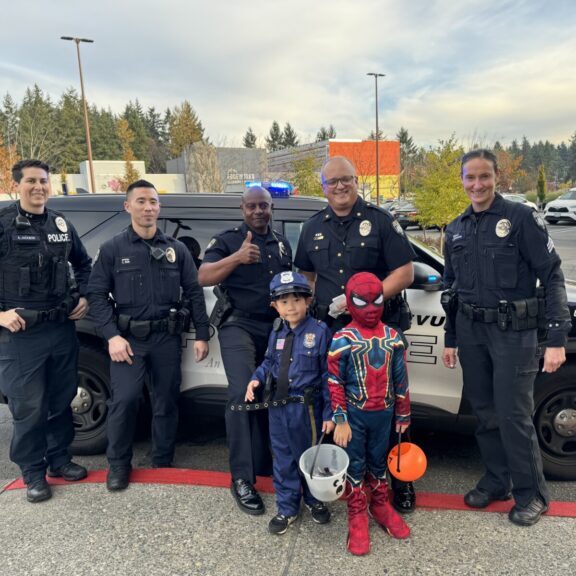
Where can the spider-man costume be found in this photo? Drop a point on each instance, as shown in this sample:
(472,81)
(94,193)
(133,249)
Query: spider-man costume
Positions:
(369,385)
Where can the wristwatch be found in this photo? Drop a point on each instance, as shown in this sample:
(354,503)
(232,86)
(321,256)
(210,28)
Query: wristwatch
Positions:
(340,418)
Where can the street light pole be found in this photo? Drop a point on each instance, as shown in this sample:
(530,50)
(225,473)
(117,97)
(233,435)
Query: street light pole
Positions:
(377,136)
(86,120)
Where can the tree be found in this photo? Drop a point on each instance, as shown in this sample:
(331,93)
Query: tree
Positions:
(157,153)
(306,177)
(541,185)
(204,170)
(9,122)
(439,197)
(509,170)
(249,140)
(408,160)
(289,138)
(8,157)
(326,133)
(274,138)
(185,128)
(134,114)
(71,134)
(104,134)
(126,137)
(372,135)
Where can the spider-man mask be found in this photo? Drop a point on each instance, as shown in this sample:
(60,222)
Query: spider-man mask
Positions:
(365,299)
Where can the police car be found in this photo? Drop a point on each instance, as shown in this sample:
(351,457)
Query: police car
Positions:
(436,392)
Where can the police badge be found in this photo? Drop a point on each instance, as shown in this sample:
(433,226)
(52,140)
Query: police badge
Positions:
(365,227)
(309,340)
(171,255)
(61,224)
(503,228)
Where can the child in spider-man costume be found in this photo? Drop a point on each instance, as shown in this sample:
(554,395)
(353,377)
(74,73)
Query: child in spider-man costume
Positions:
(368,387)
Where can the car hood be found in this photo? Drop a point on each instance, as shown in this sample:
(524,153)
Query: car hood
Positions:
(561,204)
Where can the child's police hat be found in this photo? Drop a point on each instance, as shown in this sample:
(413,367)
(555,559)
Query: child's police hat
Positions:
(289,283)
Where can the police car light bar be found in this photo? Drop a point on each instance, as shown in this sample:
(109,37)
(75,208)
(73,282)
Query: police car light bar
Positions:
(277,188)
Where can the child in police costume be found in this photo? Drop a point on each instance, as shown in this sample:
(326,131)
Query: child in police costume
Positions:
(369,386)
(296,360)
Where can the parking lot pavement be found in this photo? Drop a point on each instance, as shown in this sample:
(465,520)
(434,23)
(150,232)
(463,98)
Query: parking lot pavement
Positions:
(175,530)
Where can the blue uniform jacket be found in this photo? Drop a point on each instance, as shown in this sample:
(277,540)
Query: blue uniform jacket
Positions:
(308,367)
(143,287)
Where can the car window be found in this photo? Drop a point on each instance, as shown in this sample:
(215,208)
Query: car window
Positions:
(106,230)
(292,232)
(201,230)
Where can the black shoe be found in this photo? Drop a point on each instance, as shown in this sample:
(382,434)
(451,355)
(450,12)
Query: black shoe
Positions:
(38,491)
(71,472)
(320,513)
(156,465)
(527,515)
(118,478)
(404,499)
(246,497)
(478,498)
(279,524)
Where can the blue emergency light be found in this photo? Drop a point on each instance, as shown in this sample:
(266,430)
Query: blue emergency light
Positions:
(277,188)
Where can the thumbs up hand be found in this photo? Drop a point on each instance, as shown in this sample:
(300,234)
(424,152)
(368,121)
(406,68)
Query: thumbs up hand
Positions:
(249,253)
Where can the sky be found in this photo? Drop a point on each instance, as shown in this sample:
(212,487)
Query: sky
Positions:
(482,70)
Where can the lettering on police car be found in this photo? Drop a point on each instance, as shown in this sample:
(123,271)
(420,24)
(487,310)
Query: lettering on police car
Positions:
(365,227)
(503,228)
(171,255)
(61,224)
(55,238)
(309,340)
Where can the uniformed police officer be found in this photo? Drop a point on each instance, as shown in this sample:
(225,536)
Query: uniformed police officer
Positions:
(38,346)
(155,290)
(243,261)
(495,252)
(349,236)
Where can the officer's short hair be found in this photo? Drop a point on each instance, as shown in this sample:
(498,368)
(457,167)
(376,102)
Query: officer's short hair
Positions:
(18,168)
(479,153)
(139,184)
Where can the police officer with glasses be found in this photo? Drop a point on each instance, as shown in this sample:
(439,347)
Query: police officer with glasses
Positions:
(496,251)
(39,301)
(155,296)
(351,235)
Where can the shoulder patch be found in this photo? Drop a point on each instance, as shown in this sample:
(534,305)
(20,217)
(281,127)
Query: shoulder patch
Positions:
(211,243)
(539,220)
(397,228)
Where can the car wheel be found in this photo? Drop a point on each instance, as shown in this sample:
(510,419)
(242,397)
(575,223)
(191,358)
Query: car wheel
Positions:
(551,221)
(555,421)
(89,409)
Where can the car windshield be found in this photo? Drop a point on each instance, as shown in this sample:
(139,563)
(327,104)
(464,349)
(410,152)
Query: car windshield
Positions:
(570,195)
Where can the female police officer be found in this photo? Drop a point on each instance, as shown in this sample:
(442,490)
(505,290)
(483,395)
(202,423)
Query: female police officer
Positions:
(495,251)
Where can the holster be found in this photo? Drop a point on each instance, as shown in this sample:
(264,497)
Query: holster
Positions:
(222,309)
(397,312)
(140,328)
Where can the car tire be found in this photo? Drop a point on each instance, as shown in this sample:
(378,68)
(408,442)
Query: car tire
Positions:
(89,408)
(555,421)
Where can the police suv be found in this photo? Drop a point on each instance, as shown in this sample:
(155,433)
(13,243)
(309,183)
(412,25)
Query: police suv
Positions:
(436,392)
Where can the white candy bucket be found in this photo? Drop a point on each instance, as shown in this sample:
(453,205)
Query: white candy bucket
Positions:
(329,475)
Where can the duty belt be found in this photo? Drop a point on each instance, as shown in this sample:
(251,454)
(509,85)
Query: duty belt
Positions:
(486,315)
(33,317)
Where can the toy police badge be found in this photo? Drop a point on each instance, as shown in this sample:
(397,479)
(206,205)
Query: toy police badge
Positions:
(365,227)
(171,255)
(309,340)
(539,220)
(286,277)
(503,228)
(61,224)
(397,228)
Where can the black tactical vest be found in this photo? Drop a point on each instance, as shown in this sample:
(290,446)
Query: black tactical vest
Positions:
(34,269)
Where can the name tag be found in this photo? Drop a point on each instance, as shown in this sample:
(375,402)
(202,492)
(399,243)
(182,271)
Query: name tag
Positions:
(26,238)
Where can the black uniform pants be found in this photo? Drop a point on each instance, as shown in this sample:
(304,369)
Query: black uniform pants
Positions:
(243,345)
(158,355)
(499,370)
(38,375)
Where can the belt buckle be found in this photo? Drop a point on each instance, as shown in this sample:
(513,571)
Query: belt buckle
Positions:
(477,314)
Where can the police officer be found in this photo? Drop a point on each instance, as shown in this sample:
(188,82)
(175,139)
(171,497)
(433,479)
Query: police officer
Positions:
(349,236)
(155,291)
(38,347)
(243,261)
(495,252)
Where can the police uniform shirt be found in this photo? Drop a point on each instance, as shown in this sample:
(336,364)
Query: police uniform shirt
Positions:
(248,285)
(308,366)
(498,254)
(334,248)
(143,286)
(33,250)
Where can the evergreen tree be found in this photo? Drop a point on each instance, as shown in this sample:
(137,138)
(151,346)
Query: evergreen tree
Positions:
(571,159)
(9,120)
(274,138)
(289,138)
(157,149)
(372,135)
(104,136)
(126,137)
(134,115)
(325,133)
(542,190)
(408,160)
(72,148)
(249,140)
(185,128)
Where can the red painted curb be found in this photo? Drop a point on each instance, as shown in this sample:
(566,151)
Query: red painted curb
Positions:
(182,476)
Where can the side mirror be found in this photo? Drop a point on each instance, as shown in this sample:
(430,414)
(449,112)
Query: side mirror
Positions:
(426,278)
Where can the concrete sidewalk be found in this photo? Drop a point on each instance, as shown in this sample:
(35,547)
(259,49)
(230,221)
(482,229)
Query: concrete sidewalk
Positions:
(184,530)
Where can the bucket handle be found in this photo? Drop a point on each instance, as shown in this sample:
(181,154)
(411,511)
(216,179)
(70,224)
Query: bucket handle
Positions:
(399,451)
(316,454)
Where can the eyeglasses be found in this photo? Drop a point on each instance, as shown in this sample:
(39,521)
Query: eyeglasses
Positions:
(252,206)
(333,182)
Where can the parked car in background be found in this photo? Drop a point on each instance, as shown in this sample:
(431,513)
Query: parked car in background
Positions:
(563,209)
(520,198)
(406,214)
